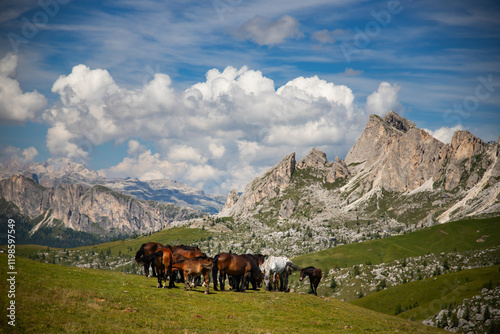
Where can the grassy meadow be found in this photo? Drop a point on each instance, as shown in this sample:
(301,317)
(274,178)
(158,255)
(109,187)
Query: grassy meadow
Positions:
(424,298)
(59,299)
(459,236)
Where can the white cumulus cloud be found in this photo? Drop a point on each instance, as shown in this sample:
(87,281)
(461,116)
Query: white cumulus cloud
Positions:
(385,99)
(217,134)
(445,134)
(9,153)
(16,106)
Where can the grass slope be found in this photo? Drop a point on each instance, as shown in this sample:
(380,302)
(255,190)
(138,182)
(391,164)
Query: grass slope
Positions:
(460,236)
(58,299)
(431,294)
(172,236)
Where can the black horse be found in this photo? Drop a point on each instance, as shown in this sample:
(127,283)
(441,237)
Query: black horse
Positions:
(314,274)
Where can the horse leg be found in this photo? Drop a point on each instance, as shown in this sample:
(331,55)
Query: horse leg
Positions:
(159,281)
(222,278)
(186,280)
(146,270)
(153,269)
(243,281)
(207,281)
(214,276)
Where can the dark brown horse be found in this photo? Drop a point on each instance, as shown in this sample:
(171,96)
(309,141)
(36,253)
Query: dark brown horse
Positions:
(162,260)
(146,250)
(314,274)
(235,265)
(194,267)
(256,260)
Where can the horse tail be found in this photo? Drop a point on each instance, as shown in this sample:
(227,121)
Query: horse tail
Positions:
(294,266)
(139,255)
(150,258)
(215,270)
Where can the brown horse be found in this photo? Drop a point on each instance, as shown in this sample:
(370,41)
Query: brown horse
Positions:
(314,274)
(162,260)
(194,267)
(187,252)
(146,250)
(256,260)
(235,265)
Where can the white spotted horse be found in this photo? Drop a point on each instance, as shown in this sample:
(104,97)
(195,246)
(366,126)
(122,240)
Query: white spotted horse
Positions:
(274,266)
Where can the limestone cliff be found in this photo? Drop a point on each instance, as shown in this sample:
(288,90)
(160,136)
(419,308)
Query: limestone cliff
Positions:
(232,198)
(96,209)
(264,188)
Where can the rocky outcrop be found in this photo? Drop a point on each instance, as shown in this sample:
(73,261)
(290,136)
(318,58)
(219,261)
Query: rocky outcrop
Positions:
(287,208)
(314,159)
(232,198)
(339,170)
(264,187)
(96,209)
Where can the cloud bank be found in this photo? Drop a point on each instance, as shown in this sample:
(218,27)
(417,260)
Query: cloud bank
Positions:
(217,134)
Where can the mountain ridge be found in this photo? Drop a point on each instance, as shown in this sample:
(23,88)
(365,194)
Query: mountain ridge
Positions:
(53,172)
(392,156)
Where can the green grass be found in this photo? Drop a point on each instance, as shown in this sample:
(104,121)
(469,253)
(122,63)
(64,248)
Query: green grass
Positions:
(460,236)
(58,299)
(431,294)
(172,236)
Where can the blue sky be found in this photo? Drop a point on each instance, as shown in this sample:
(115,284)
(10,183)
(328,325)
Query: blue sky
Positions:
(213,93)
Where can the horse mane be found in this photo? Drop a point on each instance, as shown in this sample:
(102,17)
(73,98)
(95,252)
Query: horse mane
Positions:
(310,267)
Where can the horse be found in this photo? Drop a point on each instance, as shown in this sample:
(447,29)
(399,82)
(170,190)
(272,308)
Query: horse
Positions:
(256,260)
(235,265)
(162,259)
(274,266)
(187,252)
(195,267)
(146,250)
(314,274)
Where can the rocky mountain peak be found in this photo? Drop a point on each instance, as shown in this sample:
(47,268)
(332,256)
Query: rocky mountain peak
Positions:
(264,187)
(232,198)
(398,122)
(464,144)
(314,159)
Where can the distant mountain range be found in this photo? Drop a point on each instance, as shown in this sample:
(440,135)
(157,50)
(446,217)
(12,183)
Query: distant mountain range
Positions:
(51,197)
(63,171)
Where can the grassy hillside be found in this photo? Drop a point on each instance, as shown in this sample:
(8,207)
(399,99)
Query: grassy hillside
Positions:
(460,236)
(171,236)
(128,247)
(59,299)
(428,297)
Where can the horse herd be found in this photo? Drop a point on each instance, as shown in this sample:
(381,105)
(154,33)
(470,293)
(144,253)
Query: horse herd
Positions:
(240,270)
